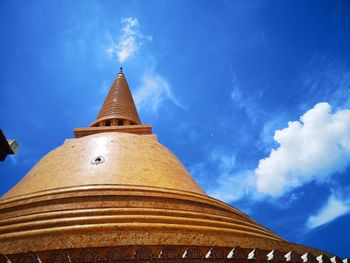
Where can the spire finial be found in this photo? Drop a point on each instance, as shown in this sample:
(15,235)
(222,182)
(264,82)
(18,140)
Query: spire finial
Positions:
(121,70)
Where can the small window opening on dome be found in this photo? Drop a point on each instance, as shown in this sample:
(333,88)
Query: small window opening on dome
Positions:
(108,123)
(120,122)
(97,160)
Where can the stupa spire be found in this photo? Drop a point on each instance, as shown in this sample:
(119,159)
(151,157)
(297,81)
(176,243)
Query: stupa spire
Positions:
(119,107)
(118,112)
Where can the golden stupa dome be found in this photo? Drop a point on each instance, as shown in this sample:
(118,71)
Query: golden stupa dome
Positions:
(115,193)
(111,158)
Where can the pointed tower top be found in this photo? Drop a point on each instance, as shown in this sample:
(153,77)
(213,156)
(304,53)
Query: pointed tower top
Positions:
(120,74)
(118,112)
(118,108)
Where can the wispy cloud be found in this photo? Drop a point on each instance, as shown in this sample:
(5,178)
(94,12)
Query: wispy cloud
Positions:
(232,186)
(13,159)
(312,149)
(153,92)
(154,89)
(130,41)
(230,183)
(104,87)
(247,104)
(326,78)
(334,208)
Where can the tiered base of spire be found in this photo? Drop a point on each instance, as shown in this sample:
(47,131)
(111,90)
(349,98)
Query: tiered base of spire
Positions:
(143,129)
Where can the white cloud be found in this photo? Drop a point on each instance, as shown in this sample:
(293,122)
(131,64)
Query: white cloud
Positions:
(333,209)
(130,41)
(154,90)
(311,149)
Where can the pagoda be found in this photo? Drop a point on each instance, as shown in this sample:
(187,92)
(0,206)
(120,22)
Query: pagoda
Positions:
(115,194)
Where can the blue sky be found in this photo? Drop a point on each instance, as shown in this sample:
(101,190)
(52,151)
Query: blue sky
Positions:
(252,96)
